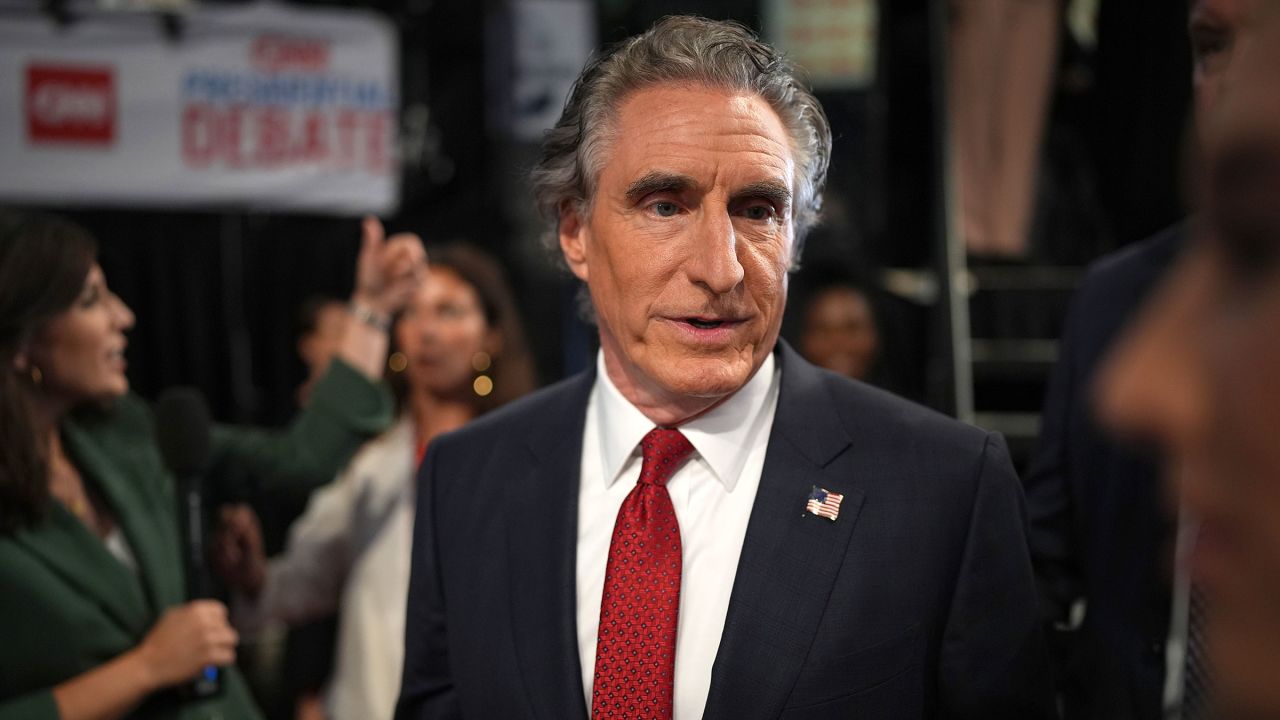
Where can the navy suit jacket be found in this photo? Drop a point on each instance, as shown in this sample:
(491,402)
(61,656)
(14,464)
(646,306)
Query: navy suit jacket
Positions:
(918,602)
(1101,529)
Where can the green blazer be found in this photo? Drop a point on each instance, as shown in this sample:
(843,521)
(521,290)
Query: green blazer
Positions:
(67,605)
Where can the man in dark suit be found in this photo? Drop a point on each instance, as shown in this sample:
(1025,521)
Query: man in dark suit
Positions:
(705,525)
(1103,534)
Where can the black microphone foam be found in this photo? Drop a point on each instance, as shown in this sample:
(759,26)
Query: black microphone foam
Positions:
(182,431)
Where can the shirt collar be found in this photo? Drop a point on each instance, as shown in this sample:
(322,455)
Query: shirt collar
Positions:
(721,436)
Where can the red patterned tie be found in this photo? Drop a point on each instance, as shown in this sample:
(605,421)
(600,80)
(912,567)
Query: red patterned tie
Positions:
(636,653)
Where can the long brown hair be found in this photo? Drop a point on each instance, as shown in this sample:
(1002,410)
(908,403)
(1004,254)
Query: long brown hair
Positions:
(44,260)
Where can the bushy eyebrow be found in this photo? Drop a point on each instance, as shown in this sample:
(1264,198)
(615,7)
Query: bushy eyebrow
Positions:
(667,182)
(658,181)
(776,193)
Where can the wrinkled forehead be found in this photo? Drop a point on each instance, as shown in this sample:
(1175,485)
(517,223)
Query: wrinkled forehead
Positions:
(1244,138)
(1222,10)
(1249,107)
(612,135)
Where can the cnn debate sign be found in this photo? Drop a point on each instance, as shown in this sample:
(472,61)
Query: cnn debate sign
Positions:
(258,106)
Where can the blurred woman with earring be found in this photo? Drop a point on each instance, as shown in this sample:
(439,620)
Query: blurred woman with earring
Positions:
(460,351)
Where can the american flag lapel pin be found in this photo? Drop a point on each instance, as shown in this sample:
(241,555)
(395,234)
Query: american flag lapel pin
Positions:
(824,503)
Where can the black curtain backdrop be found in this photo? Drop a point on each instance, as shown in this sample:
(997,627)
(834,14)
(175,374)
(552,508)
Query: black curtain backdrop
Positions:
(217,298)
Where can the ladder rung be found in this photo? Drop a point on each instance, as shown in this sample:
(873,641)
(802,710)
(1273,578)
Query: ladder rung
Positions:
(1010,424)
(1022,350)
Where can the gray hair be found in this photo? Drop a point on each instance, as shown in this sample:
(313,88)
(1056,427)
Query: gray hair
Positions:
(679,49)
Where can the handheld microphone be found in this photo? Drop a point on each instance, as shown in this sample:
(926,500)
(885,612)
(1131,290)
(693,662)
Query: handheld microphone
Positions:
(182,432)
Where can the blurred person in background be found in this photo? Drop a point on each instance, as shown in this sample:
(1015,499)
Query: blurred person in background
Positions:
(1199,375)
(93,613)
(287,666)
(1000,71)
(838,328)
(1102,535)
(323,321)
(460,351)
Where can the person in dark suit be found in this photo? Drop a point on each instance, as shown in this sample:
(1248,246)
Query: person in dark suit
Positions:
(705,525)
(1196,377)
(1103,532)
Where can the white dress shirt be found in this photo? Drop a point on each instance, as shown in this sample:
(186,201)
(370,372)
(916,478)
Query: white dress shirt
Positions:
(1175,649)
(712,493)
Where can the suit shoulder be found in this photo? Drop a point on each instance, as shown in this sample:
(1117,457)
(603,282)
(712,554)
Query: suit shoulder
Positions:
(868,410)
(908,449)
(1134,269)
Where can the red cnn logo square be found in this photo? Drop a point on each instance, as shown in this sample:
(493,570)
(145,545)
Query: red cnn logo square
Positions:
(70,104)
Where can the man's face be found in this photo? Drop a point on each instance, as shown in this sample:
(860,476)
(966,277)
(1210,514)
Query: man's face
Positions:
(686,245)
(1200,375)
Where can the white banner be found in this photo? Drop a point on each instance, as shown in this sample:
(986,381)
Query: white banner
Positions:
(553,40)
(260,106)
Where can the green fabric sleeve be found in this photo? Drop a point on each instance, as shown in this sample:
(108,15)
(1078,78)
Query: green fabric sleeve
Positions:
(36,705)
(346,409)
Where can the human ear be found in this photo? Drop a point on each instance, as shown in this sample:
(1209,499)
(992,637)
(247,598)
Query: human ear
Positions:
(573,234)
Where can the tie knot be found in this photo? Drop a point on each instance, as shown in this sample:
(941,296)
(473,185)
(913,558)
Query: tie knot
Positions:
(663,449)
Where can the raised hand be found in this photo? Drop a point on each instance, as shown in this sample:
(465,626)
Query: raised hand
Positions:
(388,270)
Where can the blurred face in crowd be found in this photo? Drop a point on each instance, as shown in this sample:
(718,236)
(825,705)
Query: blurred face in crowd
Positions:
(319,346)
(80,352)
(686,244)
(1200,374)
(840,333)
(1214,28)
(440,332)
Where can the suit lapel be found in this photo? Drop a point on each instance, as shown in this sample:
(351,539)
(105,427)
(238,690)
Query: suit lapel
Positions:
(67,547)
(789,559)
(146,521)
(542,526)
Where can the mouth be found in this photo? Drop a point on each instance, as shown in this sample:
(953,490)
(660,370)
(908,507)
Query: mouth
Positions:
(704,323)
(715,329)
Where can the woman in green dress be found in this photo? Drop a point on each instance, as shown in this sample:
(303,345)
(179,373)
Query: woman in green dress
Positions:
(93,613)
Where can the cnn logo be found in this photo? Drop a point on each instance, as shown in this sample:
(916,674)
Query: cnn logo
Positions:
(70,104)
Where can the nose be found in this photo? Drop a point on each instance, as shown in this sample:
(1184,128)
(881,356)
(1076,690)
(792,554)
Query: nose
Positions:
(123,315)
(426,323)
(713,261)
(1155,385)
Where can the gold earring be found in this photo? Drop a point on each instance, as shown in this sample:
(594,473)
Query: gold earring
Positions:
(397,362)
(37,377)
(483,384)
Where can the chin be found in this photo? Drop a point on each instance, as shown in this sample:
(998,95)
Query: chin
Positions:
(705,377)
(113,393)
